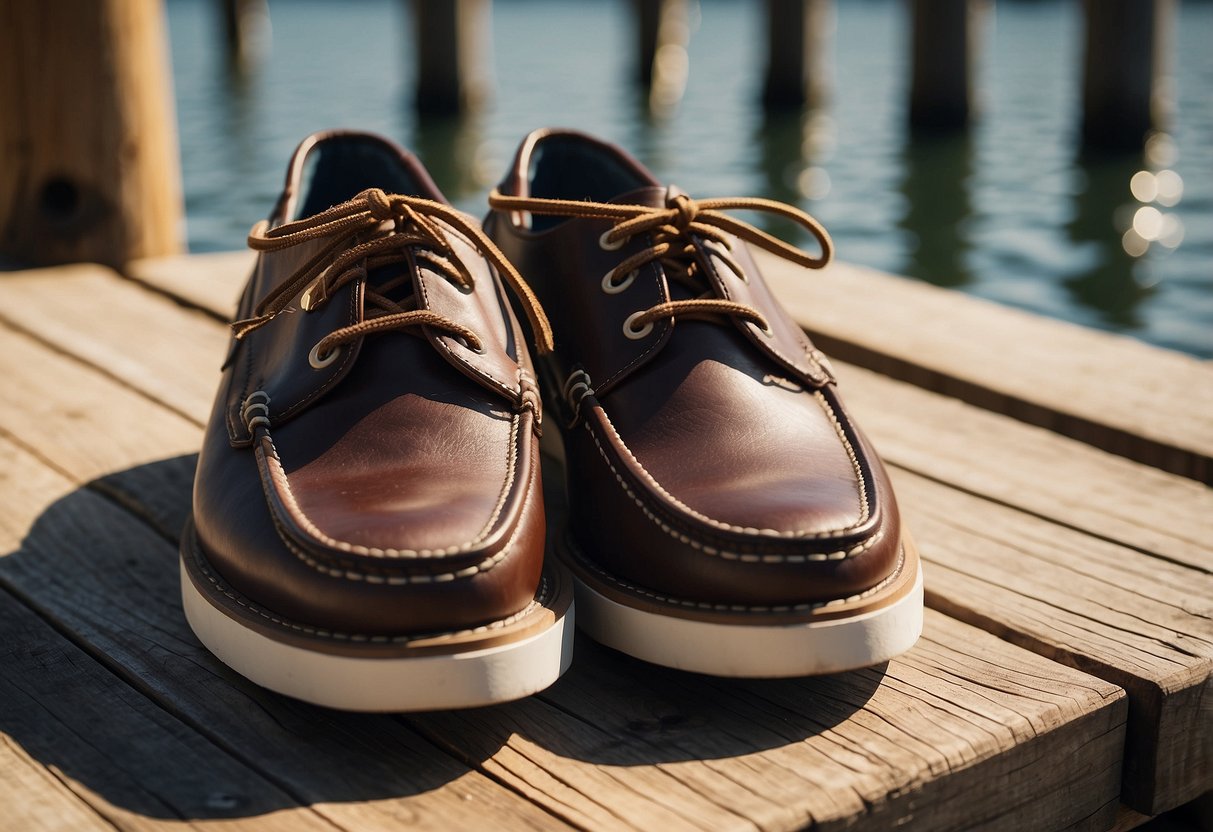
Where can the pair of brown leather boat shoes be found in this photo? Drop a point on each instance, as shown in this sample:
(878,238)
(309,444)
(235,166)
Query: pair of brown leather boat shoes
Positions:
(368,529)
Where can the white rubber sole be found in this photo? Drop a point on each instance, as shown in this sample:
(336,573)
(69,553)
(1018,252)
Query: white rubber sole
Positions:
(753,650)
(415,683)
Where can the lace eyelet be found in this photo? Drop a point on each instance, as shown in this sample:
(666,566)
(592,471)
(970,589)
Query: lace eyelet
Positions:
(466,288)
(612,288)
(318,361)
(633,333)
(607,245)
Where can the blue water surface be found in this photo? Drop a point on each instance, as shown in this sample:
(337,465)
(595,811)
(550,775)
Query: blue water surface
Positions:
(1010,211)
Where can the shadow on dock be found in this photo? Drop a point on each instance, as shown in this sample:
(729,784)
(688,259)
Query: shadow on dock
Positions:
(170,732)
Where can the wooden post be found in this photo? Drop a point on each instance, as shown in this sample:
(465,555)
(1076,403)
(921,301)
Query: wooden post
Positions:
(453,40)
(663,32)
(944,45)
(1124,58)
(246,31)
(648,19)
(797,73)
(88,139)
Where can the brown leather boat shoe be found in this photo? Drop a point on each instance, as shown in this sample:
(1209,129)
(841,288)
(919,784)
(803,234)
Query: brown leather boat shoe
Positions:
(368,524)
(726,515)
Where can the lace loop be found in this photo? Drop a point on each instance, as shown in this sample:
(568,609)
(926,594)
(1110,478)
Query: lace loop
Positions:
(357,245)
(672,228)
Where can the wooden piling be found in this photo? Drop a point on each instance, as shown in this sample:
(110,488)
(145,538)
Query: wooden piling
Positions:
(453,40)
(797,73)
(662,63)
(246,31)
(945,38)
(88,143)
(1124,59)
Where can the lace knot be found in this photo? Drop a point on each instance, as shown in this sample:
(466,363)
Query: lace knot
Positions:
(379,205)
(685,209)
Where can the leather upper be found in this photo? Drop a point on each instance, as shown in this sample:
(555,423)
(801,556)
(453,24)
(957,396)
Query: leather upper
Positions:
(709,459)
(396,488)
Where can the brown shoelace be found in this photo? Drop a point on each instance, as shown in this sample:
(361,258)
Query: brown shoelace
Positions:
(672,228)
(358,246)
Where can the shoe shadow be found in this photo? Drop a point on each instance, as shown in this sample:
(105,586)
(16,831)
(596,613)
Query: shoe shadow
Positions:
(153,724)
(156,725)
(612,709)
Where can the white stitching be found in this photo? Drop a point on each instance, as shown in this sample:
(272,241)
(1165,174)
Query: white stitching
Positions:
(797,535)
(665,599)
(721,553)
(540,599)
(390,580)
(303,520)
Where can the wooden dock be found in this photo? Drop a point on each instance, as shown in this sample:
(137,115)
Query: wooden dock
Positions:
(1055,478)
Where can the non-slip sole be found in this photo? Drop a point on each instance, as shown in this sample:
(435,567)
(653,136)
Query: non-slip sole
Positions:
(754,649)
(465,676)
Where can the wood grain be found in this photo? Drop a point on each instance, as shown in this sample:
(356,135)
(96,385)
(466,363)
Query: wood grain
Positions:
(1118,394)
(83,750)
(1033,469)
(109,582)
(122,330)
(1138,622)
(951,736)
(210,282)
(87,131)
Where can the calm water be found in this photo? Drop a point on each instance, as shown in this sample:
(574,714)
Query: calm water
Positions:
(1010,212)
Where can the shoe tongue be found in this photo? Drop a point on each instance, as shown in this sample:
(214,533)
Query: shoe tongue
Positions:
(654,196)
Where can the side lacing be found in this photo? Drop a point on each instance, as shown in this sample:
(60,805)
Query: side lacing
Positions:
(575,390)
(718,607)
(864,508)
(542,596)
(530,398)
(279,477)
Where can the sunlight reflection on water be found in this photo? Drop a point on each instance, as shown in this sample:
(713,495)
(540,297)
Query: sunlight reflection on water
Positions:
(1010,211)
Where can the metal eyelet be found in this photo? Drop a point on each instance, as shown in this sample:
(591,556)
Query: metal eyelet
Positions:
(636,334)
(607,245)
(319,362)
(612,288)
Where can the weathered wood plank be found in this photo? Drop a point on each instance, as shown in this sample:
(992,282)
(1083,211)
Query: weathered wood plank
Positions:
(963,732)
(82,750)
(210,282)
(1141,623)
(110,582)
(1034,469)
(1138,401)
(366,773)
(38,801)
(84,311)
(1002,460)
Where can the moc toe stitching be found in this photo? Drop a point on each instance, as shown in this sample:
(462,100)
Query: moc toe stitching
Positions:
(281,500)
(861,479)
